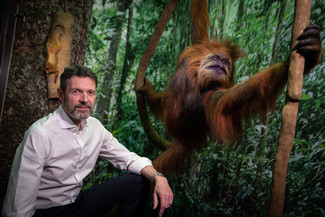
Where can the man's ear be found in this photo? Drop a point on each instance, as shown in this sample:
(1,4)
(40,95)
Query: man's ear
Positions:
(60,94)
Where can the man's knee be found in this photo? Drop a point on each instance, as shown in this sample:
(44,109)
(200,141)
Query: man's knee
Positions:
(137,182)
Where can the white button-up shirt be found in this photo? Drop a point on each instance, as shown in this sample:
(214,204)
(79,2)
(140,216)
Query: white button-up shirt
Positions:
(53,159)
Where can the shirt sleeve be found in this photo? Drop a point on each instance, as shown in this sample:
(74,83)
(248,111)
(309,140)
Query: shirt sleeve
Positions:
(119,156)
(25,175)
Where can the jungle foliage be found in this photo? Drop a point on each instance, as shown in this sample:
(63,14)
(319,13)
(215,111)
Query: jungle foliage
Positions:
(220,181)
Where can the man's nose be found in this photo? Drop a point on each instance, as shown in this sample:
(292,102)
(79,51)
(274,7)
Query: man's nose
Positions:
(84,97)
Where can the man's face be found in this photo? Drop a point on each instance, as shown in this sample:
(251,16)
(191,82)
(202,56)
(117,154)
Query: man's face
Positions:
(79,98)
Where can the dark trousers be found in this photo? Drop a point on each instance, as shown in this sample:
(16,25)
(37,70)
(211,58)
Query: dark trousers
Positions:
(128,191)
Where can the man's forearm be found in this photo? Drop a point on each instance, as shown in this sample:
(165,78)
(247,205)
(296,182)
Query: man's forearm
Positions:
(149,172)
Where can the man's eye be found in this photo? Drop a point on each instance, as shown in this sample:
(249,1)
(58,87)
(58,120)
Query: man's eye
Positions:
(92,93)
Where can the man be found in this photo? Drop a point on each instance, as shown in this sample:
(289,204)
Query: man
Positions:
(60,150)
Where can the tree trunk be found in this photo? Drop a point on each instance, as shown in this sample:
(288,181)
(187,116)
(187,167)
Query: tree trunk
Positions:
(128,61)
(240,14)
(26,96)
(278,31)
(106,87)
(222,19)
(289,112)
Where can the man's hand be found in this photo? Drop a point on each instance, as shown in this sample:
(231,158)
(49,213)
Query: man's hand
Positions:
(164,193)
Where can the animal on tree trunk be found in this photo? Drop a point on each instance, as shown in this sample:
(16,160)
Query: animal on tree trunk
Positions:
(202,100)
(53,47)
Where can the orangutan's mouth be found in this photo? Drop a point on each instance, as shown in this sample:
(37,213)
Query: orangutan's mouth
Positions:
(218,69)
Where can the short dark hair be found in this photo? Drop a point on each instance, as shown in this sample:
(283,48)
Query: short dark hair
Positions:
(78,71)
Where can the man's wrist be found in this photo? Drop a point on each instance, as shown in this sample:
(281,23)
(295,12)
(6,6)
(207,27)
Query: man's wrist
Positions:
(153,177)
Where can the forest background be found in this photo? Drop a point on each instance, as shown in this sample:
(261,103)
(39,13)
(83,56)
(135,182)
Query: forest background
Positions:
(219,181)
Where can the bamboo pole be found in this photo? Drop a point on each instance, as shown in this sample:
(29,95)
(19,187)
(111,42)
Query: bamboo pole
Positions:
(289,112)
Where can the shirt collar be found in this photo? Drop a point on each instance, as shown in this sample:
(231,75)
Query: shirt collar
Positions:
(67,123)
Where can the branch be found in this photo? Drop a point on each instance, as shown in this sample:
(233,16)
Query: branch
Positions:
(151,47)
(289,112)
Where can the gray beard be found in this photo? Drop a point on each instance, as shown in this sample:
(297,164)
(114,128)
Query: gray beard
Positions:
(79,116)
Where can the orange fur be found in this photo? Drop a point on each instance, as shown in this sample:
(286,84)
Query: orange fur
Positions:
(225,109)
(201,99)
(200,21)
(175,155)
